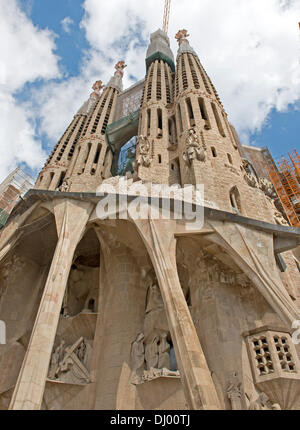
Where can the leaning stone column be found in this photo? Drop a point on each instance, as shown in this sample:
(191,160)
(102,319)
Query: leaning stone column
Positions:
(71,219)
(198,385)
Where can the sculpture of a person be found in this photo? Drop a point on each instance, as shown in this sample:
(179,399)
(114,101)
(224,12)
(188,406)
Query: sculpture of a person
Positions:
(138,355)
(194,149)
(164,353)
(263,403)
(56,358)
(234,392)
(154,298)
(151,354)
(144,158)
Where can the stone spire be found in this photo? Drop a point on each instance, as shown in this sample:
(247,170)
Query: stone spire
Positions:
(153,141)
(159,49)
(116,80)
(87,107)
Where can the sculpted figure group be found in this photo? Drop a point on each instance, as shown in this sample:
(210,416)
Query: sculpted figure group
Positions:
(194,150)
(150,354)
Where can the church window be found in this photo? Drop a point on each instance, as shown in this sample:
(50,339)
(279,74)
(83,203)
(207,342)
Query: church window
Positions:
(159,158)
(218,120)
(203,112)
(184,77)
(148,122)
(158,82)
(97,155)
(272,354)
(193,71)
(180,118)
(229,158)
(235,200)
(168,91)
(190,112)
(159,123)
(214,152)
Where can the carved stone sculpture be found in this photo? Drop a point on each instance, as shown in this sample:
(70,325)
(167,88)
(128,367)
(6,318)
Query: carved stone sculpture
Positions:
(65,187)
(181,35)
(56,358)
(138,355)
(97,87)
(263,403)
(151,354)
(251,180)
(70,364)
(234,392)
(194,150)
(164,353)
(267,187)
(144,158)
(120,66)
(278,217)
(154,299)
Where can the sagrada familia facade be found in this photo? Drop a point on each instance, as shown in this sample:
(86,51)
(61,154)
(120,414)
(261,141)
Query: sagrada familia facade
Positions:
(150,312)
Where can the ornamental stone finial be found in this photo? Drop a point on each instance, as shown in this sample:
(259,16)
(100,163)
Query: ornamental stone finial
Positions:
(120,66)
(181,36)
(97,87)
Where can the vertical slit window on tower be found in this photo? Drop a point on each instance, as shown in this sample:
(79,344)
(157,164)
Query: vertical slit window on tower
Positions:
(218,120)
(159,158)
(159,123)
(168,89)
(180,118)
(184,77)
(214,152)
(148,122)
(88,152)
(190,112)
(149,90)
(229,158)
(203,112)
(158,82)
(193,71)
(61,179)
(97,155)
(107,116)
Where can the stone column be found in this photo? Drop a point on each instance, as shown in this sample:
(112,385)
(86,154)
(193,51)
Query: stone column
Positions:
(71,219)
(198,385)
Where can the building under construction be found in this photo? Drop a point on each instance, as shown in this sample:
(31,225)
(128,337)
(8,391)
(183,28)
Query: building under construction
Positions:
(14,186)
(285,177)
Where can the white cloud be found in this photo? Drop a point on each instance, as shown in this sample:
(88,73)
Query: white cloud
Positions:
(66,24)
(26,55)
(250,49)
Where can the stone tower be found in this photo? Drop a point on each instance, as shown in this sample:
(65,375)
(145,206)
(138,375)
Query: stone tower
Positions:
(124,312)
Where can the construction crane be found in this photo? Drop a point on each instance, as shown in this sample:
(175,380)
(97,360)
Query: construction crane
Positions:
(166,16)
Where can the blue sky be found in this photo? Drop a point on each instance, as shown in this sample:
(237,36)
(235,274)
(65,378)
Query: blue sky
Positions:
(62,46)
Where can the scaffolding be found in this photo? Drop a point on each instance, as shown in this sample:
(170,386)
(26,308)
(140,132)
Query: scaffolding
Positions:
(11,189)
(286,179)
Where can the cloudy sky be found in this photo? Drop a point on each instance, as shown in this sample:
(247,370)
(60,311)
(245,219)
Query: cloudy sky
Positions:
(52,51)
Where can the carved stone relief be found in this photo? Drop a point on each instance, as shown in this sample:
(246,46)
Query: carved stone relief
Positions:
(194,149)
(144,150)
(263,403)
(70,364)
(235,392)
(151,351)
